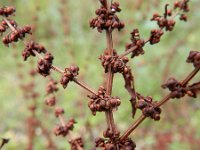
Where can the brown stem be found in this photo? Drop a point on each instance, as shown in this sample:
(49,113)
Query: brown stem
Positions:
(190,76)
(133,127)
(109,84)
(130,50)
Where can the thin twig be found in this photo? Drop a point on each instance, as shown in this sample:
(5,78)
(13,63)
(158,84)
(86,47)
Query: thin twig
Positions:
(160,103)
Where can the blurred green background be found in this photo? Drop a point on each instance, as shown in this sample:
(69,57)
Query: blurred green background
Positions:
(63,27)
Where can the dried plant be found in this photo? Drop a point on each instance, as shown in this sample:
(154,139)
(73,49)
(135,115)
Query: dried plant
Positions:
(102,100)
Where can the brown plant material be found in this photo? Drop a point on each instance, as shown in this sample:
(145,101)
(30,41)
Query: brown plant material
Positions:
(106,18)
(102,100)
(194,57)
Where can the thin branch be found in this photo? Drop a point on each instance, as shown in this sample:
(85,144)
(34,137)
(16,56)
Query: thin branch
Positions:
(160,103)
(55,68)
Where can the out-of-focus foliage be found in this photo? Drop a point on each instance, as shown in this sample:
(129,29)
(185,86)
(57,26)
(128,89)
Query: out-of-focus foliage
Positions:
(81,45)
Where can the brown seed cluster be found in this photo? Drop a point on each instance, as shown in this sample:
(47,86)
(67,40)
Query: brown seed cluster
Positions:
(147,105)
(175,86)
(179,90)
(4,25)
(7,11)
(106,18)
(59,112)
(193,89)
(76,143)
(117,64)
(31,46)
(102,102)
(164,22)
(51,86)
(194,57)
(17,34)
(51,89)
(64,130)
(155,36)
(45,64)
(136,41)
(51,101)
(105,144)
(182,5)
(69,74)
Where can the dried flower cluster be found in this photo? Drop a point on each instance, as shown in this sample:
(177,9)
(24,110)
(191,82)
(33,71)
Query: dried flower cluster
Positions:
(30,48)
(69,74)
(106,18)
(194,58)
(148,107)
(102,102)
(7,11)
(112,62)
(14,36)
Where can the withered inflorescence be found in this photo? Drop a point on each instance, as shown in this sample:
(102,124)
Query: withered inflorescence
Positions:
(102,100)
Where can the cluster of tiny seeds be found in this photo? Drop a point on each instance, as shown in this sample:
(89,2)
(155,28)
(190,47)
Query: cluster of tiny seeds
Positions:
(102,102)
(4,26)
(163,21)
(117,64)
(45,64)
(194,89)
(17,34)
(179,90)
(106,18)
(69,74)
(31,46)
(194,57)
(7,11)
(64,129)
(111,135)
(147,105)
(51,101)
(75,142)
(105,144)
(155,36)
(182,5)
(51,87)
(59,111)
(175,86)
(136,41)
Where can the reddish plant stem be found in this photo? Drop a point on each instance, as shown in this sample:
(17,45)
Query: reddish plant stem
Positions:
(160,103)
(133,127)
(47,135)
(131,50)
(110,75)
(190,76)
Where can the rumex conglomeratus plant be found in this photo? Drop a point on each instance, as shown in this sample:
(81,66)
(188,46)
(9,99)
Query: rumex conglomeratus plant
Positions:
(102,100)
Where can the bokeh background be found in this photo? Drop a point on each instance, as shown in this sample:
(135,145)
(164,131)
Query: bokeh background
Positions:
(62,26)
